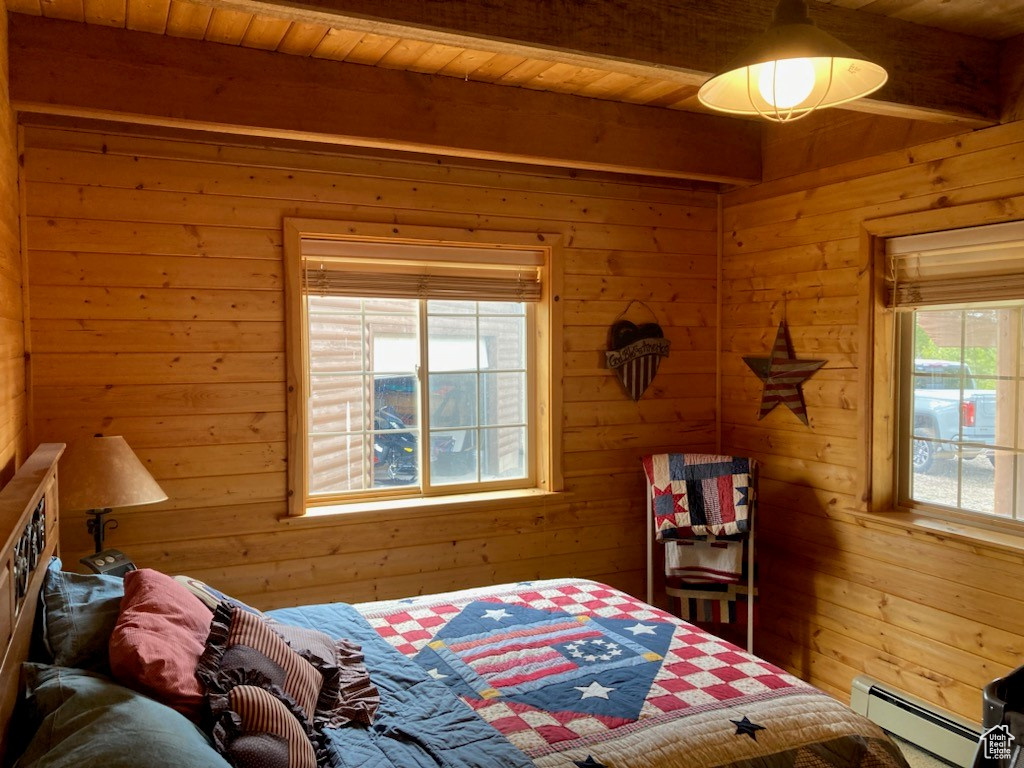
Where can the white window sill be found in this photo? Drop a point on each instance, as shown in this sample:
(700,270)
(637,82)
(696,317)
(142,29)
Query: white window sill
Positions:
(404,509)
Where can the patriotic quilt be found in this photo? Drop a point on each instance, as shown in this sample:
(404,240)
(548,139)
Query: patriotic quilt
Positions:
(699,494)
(577,673)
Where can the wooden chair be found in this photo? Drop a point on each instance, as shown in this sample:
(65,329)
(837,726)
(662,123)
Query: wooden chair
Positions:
(698,472)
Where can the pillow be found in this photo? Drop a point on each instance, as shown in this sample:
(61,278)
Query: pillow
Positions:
(83,720)
(158,639)
(79,613)
(241,643)
(256,729)
(211,596)
(347,694)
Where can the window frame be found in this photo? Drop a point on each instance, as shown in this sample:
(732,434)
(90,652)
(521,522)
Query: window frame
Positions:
(879,376)
(545,339)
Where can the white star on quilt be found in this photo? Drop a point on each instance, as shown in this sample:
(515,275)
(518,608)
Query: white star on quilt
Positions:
(435,674)
(593,691)
(575,650)
(640,629)
(497,614)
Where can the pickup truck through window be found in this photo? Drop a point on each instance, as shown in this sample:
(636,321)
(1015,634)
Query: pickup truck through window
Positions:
(950,413)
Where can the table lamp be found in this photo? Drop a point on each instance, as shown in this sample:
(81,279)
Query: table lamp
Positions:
(100,473)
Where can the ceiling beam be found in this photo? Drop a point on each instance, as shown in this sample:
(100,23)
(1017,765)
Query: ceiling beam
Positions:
(933,74)
(82,70)
(1013,79)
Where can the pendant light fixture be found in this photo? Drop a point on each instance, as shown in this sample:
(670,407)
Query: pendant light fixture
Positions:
(791,70)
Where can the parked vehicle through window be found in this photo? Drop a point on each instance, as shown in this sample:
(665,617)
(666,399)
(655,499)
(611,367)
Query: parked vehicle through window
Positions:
(963,367)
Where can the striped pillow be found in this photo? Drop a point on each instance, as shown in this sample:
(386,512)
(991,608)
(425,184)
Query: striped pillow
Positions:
(347,695)
(241,644)
(255,729)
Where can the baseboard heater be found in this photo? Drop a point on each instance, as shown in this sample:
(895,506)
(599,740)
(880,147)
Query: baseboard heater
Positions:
(952,738)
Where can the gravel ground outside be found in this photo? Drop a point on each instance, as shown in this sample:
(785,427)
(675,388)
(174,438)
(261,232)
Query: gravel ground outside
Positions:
(940,485)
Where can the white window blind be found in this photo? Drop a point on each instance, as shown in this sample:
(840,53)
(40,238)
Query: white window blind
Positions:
(975,264)
(420,271)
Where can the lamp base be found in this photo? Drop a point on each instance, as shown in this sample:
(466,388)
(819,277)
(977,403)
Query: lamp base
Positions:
(112,562)
(96,526)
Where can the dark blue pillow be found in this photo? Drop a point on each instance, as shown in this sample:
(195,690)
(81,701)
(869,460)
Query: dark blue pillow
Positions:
(84,720)
(79,614)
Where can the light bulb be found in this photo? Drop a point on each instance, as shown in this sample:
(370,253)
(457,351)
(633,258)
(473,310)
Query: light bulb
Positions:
(787,83)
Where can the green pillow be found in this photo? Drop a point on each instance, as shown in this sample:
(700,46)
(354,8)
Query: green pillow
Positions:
(84,720)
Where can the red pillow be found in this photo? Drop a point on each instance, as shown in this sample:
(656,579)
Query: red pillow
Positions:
(158,639)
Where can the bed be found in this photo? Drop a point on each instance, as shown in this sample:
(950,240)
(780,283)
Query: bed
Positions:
(564,672)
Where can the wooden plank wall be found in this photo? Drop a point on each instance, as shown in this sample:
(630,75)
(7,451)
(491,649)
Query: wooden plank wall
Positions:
(156,312)
(837,136)
(844,595)
(13,397)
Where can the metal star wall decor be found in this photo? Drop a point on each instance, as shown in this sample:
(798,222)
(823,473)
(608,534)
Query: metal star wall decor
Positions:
(783,376)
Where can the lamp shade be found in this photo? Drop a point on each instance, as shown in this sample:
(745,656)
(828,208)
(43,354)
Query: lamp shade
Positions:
(103,473)
(791,70)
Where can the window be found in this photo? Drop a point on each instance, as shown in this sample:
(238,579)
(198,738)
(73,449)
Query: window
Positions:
(375,398)
(960,372)
(417,364)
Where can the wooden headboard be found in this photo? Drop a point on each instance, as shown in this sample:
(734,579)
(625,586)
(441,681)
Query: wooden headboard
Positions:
(29,535)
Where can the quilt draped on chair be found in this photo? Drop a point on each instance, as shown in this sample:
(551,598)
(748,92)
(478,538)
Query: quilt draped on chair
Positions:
(701,509)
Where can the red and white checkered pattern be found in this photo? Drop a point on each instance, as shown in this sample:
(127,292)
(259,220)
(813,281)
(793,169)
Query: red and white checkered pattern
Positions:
(536,731)
(409,629)
(410,624)
(587,598)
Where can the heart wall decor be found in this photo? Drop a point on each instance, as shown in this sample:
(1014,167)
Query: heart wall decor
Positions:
(635,353)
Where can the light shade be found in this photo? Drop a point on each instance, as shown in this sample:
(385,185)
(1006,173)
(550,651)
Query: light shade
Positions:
(103,473)
(791,70)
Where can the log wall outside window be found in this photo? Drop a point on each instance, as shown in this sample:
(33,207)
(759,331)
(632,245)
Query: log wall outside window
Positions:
(847,594)
(156,309)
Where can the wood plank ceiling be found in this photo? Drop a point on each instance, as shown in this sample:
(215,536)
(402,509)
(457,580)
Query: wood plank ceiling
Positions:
(178,18)
(989,19)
